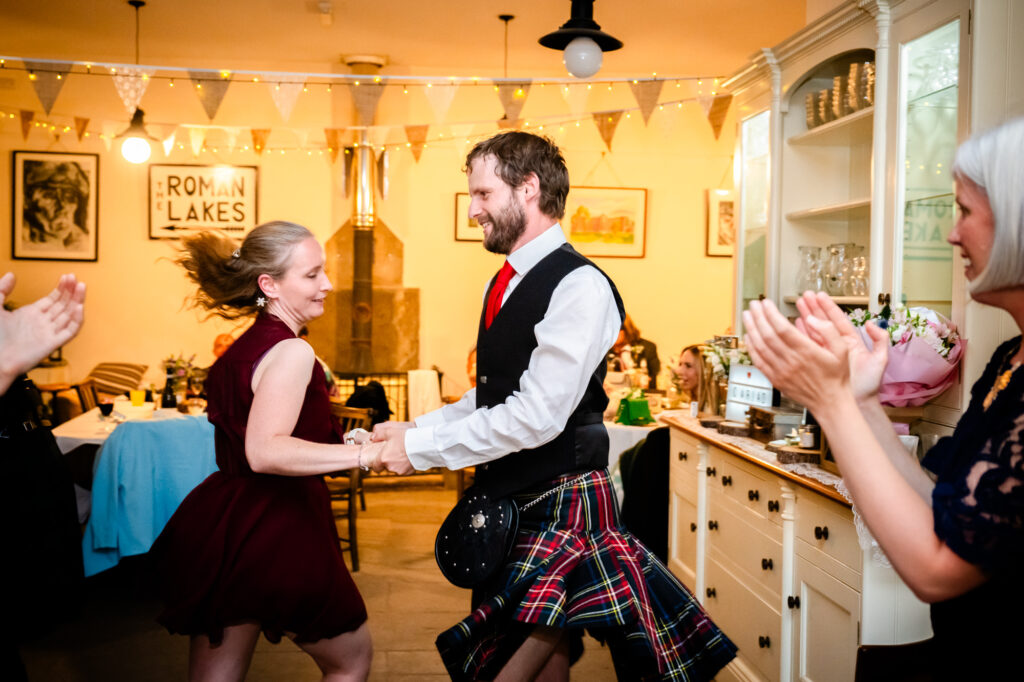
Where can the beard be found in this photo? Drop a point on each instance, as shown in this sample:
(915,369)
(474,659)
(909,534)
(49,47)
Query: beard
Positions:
(507,226)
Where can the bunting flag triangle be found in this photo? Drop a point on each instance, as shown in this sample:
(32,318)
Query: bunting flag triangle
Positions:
(47,79)
(646,94)
(210,90)
(230,138)
(513,97)
(333,138)
(365,96)
(81,125)
(705,102)
(285,95)
(108,131)
(26,122)
(168,142)
(416,135)
(440,98)
(259,138)
(606,122)
(131,85)
(196,136)
(301,137)
(719,108)
(460,138)
(576,97)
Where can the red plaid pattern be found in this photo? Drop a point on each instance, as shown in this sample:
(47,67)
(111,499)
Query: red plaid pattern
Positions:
(573,567)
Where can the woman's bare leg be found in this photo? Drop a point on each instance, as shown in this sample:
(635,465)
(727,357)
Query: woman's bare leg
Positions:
(227,661)
(345,658)
(545,646)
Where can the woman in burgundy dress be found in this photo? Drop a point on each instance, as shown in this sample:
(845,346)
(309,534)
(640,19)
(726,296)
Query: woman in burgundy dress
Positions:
(254,547)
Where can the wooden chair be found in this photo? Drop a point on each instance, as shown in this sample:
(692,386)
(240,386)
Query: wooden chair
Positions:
(348,484)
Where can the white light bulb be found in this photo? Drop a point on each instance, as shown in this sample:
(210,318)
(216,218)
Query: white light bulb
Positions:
(582,57)
(135,150)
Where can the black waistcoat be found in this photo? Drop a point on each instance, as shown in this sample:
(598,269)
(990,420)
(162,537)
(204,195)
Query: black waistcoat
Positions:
(503,354)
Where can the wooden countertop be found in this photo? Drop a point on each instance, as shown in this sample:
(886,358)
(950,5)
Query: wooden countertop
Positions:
(754,452)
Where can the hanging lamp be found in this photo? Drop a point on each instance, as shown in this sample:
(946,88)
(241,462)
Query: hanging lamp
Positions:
(135,147)
(581,40)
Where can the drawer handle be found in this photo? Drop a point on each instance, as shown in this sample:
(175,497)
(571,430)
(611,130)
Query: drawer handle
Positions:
(821,532)
(693,527)
(766,565)
(683,455)
(793,602)
(773,505)
(711,593)
(711,471)
(764,642)
(726,480)
(712,525)
(753,495)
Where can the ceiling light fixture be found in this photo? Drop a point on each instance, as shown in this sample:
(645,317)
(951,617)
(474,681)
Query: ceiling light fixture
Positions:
(582,41)
(135,147)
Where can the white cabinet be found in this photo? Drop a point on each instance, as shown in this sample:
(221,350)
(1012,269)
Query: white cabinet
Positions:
(778,566)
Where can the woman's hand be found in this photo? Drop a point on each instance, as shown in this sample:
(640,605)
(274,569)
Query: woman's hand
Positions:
(810,372)
(866,365)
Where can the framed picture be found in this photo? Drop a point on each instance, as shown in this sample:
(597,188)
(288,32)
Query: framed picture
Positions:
(185,199)
(55,204)
(721,226)
(466,229)
(608,222)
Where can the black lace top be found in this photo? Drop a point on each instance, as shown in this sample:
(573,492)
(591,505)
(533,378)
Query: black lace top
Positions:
(978,504)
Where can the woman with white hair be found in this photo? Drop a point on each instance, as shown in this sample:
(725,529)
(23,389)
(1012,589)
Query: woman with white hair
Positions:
(958,543)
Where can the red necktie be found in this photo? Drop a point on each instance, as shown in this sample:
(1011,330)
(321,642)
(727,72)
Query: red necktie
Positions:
(498,292)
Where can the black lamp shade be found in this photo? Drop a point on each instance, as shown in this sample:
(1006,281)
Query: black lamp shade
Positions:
(581,24)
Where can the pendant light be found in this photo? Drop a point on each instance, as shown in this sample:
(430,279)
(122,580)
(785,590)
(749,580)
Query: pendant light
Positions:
(135,147)
(582,41)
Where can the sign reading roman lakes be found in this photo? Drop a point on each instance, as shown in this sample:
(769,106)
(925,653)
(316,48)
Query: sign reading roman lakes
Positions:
(188,199)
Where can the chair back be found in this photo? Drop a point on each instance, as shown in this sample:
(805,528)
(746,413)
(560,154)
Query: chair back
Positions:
(352,417)
(87,396)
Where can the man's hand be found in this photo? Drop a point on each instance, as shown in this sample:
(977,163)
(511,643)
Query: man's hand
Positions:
(389,430)
(369,456)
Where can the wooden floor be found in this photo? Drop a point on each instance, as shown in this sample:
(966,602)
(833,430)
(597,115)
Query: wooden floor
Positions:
(113,636)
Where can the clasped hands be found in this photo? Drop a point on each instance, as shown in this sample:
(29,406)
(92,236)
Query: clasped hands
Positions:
(820,356)
(384,449)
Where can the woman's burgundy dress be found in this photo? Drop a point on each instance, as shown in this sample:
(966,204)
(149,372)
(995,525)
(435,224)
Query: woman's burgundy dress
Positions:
(246,547)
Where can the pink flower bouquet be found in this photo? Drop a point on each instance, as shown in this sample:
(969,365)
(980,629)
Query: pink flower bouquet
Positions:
(924,354)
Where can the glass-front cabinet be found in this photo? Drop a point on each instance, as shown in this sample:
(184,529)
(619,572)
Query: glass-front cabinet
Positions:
(755,178)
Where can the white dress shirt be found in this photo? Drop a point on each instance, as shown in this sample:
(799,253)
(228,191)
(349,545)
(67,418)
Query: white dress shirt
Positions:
(580,325)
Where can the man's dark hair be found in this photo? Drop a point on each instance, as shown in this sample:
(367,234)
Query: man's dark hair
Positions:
(518,154)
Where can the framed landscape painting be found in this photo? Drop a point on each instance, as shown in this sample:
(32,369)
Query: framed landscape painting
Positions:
(608,222)
(466,229)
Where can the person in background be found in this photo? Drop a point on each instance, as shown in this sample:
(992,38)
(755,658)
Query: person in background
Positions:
(44,566)
(221,344)
(332,387)
(254,547)
(532,426)
(688,374)
(957,543)
(641,352)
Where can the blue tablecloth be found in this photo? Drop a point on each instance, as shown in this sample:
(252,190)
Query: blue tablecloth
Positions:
(142,473)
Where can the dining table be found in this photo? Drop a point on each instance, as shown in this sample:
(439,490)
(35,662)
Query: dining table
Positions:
(146,465)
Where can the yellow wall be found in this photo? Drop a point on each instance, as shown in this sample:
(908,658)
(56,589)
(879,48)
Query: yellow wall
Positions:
(675,294)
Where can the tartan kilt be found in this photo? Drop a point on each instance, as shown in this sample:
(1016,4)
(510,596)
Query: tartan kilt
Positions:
(575,567)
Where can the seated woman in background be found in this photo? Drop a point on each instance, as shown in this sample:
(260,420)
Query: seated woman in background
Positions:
(689,374)
(957,543)
(629,335)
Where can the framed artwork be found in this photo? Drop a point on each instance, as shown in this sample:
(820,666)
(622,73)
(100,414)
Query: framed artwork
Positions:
(721,225)
(185,199)
(609,222)
(55,204)
(466,229)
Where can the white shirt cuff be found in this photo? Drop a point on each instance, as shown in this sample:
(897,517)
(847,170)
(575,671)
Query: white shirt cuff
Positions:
(419,447)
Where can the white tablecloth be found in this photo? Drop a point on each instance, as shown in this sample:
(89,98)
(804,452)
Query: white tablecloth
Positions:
(620,439)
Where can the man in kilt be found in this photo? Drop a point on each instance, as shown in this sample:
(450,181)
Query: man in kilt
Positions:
(533,429)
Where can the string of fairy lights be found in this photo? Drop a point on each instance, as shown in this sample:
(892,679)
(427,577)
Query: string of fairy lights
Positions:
(56,124)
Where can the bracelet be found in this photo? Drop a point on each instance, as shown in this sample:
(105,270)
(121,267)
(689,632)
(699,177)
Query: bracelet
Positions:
(359,459)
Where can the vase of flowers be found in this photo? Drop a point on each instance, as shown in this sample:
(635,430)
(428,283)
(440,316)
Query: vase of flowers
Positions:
(181,370)
(925,350)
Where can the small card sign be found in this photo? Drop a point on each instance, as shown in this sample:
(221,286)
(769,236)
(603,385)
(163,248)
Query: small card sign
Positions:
(188,199)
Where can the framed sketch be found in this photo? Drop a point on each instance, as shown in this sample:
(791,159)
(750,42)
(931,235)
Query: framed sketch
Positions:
(185,199)
(55,204)
(608,222)
(466,229)
(721,225)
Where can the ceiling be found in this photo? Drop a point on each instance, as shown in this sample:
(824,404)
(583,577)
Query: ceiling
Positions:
(431,37)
